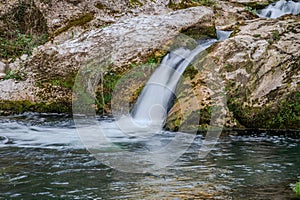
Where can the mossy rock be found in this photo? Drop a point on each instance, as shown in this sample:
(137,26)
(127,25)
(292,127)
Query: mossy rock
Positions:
(198,33)
(282,115)
(10,107)
(258,4)
(22,28)
(79,21)
(190,3)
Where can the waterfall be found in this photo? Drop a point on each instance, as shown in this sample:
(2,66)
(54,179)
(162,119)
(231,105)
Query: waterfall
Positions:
(280,8)
(154,102)
(156,98)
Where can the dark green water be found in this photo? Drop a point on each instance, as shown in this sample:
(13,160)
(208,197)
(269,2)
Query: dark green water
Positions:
(41,157)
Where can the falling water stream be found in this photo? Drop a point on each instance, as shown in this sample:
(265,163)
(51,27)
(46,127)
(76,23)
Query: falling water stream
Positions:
(42,156)
(280,8)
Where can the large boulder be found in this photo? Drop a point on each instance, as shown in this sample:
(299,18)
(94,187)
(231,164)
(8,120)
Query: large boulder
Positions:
(258,69)
(52,67)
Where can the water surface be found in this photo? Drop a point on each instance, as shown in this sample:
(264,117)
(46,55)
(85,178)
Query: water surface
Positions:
(41,157)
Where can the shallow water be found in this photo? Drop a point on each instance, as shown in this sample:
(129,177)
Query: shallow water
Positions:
(41,157)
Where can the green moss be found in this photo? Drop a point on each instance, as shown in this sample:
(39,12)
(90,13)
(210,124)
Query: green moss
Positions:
(67,82)
(17,44)
(46,1)
(27,106)
(135,3)
(285,115)
(199,33)
(100,6)
(255,5)
(229,67)
(81,20)
(251,10)
(104,93)
(17,75)
(190,3)
(296,188)
(288,113)
(191,72)
(206,2)
(275,35)
(22,29)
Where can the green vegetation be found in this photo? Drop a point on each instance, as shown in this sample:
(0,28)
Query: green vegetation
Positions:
(190,3)
(205,2)
(135,3)
(27,106)
(22,29)
(275,35)
(251,10)
(14,44)
(288,114)
(46,1)
(191,72)
(296,188)
(285,115)
(80,21)
(256,35)
(68,83)
(14,75)
(104,93)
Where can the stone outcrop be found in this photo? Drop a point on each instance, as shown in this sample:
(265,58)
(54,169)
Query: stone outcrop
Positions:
(52,67)
(248,80)
(259,70)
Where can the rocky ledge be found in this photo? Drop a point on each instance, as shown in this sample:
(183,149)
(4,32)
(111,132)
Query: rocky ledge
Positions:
(252,78)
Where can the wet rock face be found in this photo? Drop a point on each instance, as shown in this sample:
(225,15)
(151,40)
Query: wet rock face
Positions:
(260,70)
(251,79)
(53,66)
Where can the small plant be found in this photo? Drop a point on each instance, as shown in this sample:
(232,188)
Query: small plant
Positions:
(205,2)
(251,10)
(13,75)
(296,188)
(275,35)
(15,44)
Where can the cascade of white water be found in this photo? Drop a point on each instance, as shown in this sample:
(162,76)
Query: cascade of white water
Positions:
(280,8)
(156,98)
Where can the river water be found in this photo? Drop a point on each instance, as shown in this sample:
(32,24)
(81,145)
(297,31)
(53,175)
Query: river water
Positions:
(42,157)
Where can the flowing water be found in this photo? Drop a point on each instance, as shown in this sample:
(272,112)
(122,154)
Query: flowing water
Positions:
(280,8)
(42,157)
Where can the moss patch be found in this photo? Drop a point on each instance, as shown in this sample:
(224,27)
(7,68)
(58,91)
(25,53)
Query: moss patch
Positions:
(80,21)
(284,115)
(252,5)
(22,29)
(135,3)
(190,3)
(200,32)
(9,107)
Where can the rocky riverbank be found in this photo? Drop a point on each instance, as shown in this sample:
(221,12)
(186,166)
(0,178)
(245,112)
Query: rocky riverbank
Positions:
(255,71)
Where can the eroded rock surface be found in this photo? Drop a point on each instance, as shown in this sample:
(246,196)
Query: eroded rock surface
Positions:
(260,73)
(251,79)
(53,66)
